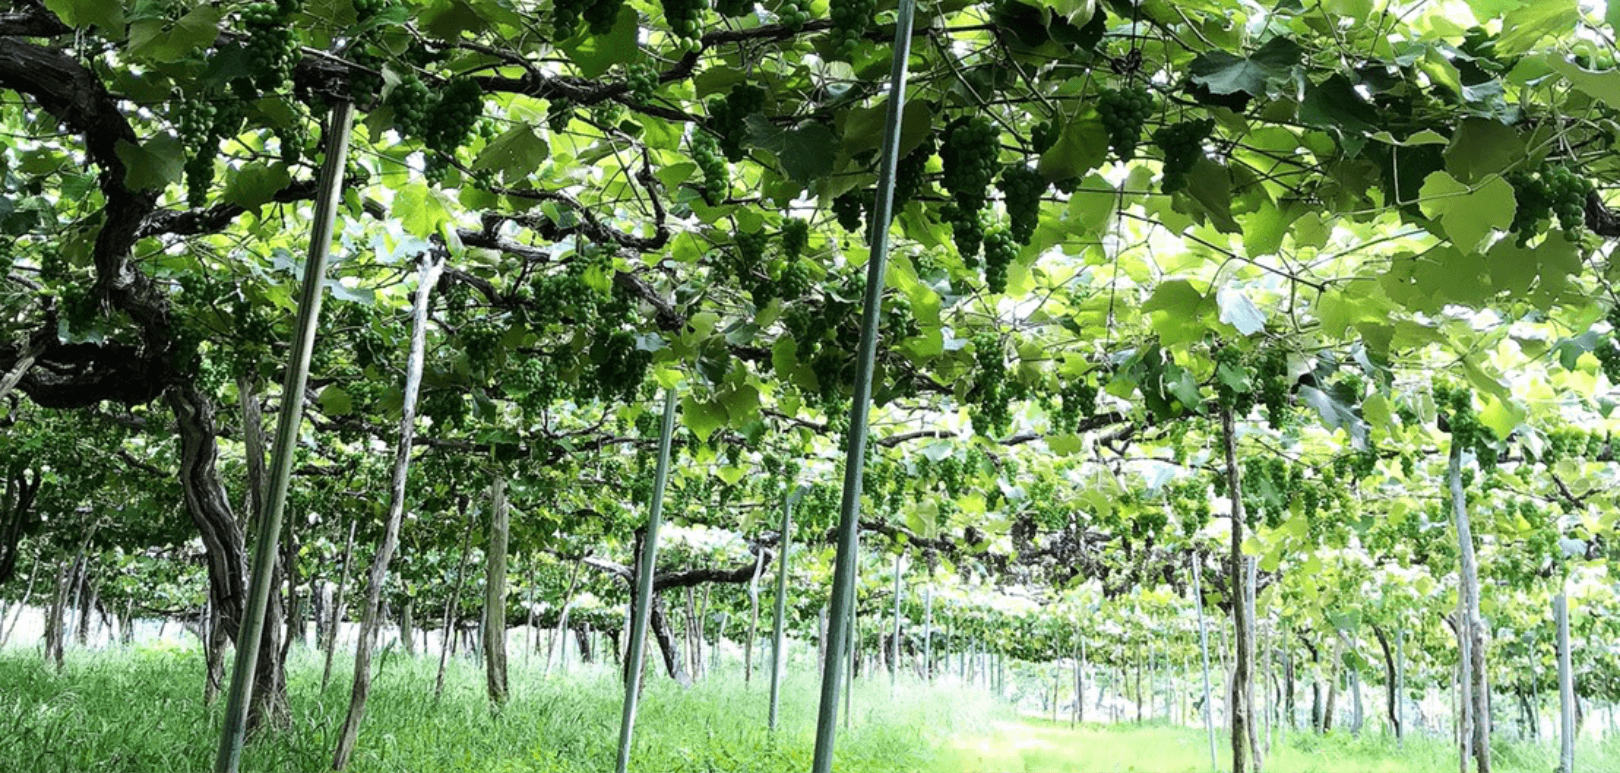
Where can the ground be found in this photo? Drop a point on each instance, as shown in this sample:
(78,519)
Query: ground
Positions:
(139,711)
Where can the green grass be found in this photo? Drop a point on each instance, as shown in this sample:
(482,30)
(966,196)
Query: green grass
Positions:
(1044,747)
(141,710)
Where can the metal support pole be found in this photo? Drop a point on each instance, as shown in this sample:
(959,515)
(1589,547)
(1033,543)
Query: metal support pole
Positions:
(894,644)
(286,440)
(1566,688)
(1203,644)
(781,604)
(644,582)
(843,592)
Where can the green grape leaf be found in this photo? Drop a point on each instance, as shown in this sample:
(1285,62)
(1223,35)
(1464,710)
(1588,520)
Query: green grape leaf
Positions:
(702,417)
(1224,73)
(162,40)
(1531,22)
(806,153)
(109,16)
(152,164)
(335,401)
(516,153)
(1334,104)
(1467,214)
(595,55)
(1081,147)
(256,184)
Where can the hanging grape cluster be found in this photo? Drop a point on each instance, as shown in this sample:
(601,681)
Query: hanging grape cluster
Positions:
(1078,402)
(1552,190)
(453,115)
(412,102)
(969,154)
(1456,407)
(849,208)
(728,117)
(1271,373)
(271,45)
(619,366)
(1022,189)
(1607,350)
(850,21)
(793,14)
(712,164)
(641,79)
(1000,250)
(685,20)
(1124,112)
(991,412)
(1182,145)
(793,279)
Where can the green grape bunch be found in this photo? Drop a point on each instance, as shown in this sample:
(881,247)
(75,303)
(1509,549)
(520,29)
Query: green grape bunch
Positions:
(850,21)
(412,102)
(1124,113)
(1021,190)
(641,80)
(271,45)
(1540,195)
(1607,350)
(712,164)
(1182,145)
(452,117)
(1000,249)
(793,14)
(728,117)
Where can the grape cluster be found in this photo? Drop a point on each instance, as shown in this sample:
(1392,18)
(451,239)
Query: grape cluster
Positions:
(728,117)
(991,412)
(365,84)
(1553,190)
(849,208)
(271,45)
(712,164)
(1182,145)
(1124,113)
(793,279)
(1022,189)
(793,14)
(365,9)
(559,112)
(910,174)
(1230,359)
(642,81)
(1608,351)
(1456,406)
(1079,402)
(684,18)
(412,102)
(194,120)
(795,237)
(1272,374)
(453,116)
(601,15)
(969,155)
(292,137)
(619,365)
(565,16)
(481,340)
(1000,250)
(850,21)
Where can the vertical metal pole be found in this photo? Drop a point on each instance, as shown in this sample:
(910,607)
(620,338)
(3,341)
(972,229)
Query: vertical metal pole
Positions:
(644,582)
(1203,644)
(781,604)
(286,441)
(894,645)
(928,632)
(861,402)
(1400,687)
(1566,688)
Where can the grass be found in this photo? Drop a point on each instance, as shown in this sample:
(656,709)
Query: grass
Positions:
(140,710)
(1040,746)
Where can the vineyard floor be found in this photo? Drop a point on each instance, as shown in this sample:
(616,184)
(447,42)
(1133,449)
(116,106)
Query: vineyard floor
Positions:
(139,710)
(1035,746)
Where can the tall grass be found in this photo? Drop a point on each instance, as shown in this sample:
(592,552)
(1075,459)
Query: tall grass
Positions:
(140,710)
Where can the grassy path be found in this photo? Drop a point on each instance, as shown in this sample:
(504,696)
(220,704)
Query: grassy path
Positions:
(1043,747)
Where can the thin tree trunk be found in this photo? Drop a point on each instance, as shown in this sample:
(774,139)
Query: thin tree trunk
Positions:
(1239,710)
(562,617)
(377,577)
(337,604)
(11,378)
(53,616)
(1470,630)
(452,616)
(495,592)
(6,629)
(753,617)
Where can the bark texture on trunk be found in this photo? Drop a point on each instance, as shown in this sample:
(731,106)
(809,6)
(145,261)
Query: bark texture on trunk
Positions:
(1470,629)
(1239,710)
(495,592)
(377,577)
